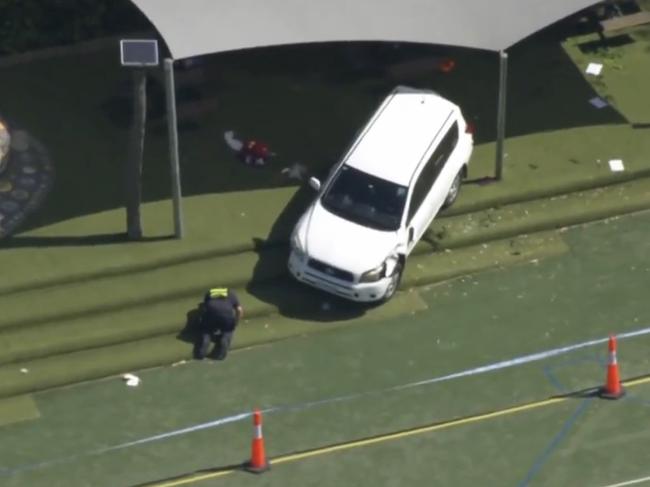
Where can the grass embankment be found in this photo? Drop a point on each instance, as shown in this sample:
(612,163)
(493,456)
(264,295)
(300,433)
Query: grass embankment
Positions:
(79,302)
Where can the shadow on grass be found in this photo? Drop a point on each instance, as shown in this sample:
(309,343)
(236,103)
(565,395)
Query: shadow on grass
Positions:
(291,298)
(191,332)
(19,241)
(590,47)
(481,181)
(188,477)
(284,96)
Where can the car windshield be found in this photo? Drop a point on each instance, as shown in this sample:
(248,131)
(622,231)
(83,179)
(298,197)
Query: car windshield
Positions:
(365,199)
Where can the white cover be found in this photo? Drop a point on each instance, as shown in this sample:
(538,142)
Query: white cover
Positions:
(195,27)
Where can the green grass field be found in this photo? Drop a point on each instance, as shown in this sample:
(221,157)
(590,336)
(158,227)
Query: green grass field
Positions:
(79,302)
(517,311)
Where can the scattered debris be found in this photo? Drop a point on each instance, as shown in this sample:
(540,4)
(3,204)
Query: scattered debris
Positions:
(131,380)
(616,165)
(594,69)
(297,171)
(252,152)
(233,142)
(24,371)
(180,362)
(598,102)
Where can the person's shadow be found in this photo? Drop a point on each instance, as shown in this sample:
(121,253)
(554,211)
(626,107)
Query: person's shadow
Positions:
(191,332)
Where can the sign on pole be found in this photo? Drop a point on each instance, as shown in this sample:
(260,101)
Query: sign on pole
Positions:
(139,52)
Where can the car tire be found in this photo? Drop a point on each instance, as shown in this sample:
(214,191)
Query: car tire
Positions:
(395,280)
(454,190)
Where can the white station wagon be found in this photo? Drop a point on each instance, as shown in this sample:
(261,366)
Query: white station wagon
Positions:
(406,164)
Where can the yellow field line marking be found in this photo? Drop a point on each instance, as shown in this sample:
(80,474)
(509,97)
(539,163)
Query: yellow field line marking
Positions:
(391,436)
(636,382)
(192,479)
(417,431)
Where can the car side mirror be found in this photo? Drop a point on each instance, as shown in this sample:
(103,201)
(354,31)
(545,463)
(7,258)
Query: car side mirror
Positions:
(314,183)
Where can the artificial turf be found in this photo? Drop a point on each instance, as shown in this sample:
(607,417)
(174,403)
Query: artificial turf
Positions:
(70,281)
(515,311)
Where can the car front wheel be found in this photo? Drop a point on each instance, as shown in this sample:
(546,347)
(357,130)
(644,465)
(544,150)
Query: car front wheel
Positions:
(395,279)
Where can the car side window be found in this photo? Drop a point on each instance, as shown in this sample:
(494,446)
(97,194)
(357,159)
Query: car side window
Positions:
(420,191)
(432,169)
(444,149)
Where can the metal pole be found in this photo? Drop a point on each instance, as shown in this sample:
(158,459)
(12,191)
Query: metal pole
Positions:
(172,129)
(136,152)
(501,113)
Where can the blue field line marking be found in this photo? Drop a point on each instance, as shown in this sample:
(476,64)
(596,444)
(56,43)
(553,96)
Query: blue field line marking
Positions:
(550,375)
(549,372)
(555,442)
(550,369)
(521,360)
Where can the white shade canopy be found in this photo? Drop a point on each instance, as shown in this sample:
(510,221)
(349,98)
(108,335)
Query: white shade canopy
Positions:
(195,27)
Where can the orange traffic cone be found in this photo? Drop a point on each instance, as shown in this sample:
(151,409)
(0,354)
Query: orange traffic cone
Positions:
(613,388)
(258,462)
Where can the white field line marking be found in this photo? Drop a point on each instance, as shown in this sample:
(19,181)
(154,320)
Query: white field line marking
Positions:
(191,429)
(525,359)
(630,482)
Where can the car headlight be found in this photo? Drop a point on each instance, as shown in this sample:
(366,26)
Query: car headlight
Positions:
(296,246)
(375,274)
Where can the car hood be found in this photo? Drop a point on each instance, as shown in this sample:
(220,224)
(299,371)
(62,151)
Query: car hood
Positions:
(342,243)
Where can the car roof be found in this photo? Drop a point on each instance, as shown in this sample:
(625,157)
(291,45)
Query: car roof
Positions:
(399,134)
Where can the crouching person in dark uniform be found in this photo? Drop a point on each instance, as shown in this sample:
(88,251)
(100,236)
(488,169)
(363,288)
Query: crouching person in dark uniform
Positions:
(221,313)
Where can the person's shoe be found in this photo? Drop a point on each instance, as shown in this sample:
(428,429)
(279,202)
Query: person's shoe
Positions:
(202,349)
(219,354)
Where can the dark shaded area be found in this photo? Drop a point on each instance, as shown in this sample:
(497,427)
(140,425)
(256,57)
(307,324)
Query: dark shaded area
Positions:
(306,101)
(20,241)
(290,297)
(198,473)
(191,332)
(597,45)
(34,24)
(298,301)
(482,181)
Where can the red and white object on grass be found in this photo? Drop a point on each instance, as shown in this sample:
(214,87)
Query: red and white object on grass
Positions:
(252,152)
